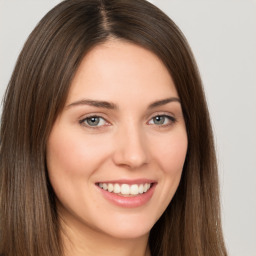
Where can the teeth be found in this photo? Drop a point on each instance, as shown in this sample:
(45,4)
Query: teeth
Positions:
(117,189)
(146,187)
(125,189)
(110,187)
(134,189)
(141,188)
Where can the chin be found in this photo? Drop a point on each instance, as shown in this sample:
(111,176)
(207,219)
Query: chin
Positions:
(129,228)
(129,234)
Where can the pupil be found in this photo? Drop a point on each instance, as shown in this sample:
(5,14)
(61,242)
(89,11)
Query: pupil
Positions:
(159,120)
(93,121)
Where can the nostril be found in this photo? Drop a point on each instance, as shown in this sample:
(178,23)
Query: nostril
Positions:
(132,158)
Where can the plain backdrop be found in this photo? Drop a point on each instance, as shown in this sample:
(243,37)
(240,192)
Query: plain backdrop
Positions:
(222,35)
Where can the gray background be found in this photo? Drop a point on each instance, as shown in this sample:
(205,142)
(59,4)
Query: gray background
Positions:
(222,35)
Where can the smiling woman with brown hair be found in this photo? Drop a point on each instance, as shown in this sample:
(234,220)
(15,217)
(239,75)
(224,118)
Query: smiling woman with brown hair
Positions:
(106,142)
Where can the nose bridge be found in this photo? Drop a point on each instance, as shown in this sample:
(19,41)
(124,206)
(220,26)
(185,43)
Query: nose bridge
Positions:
(131,149)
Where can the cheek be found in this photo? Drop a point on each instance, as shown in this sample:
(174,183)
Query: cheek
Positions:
(70,153)
(66,159)
(63,156)
(71,161)
(171,153)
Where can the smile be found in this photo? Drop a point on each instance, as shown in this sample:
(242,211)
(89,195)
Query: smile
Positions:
(127,193)
(125,189)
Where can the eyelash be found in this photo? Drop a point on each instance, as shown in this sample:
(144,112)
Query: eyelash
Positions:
(84,121)
(171,120)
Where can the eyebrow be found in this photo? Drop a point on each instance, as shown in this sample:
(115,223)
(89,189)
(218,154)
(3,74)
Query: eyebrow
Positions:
(112,106)
(94,103)
(163,102)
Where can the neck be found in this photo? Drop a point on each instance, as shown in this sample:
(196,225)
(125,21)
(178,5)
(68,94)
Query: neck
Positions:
(81,240)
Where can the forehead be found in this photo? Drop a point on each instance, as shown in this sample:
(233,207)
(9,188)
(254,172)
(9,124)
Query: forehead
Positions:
(118,68)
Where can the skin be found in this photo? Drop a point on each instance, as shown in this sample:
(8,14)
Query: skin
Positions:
(128,143)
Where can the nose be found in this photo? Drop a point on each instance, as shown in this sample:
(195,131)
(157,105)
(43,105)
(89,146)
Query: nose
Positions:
(130,148)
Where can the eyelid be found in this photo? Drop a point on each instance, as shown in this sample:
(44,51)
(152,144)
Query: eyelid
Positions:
(171,117)
(162,113)
(84,118)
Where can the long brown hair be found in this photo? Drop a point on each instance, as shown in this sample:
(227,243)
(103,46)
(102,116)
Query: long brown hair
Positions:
(36,95)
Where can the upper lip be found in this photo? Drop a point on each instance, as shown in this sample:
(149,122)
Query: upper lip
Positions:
(128,181)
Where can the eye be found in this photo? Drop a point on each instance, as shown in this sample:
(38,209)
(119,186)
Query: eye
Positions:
(163,120)
(93,121)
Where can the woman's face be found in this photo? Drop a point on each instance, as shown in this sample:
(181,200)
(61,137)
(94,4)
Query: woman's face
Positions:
(116,152)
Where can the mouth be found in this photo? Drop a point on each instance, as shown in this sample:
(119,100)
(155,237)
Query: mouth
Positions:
(126,190)
(127,193)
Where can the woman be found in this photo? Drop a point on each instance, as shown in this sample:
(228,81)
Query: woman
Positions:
(106,142)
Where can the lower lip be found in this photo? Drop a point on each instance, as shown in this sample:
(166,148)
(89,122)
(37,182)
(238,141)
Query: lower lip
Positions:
(129,201)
